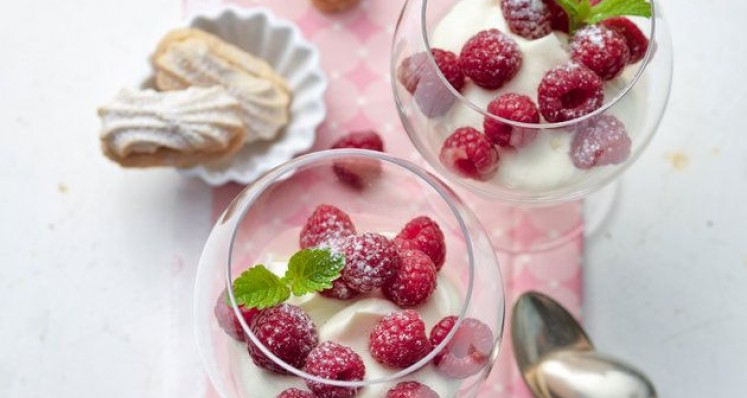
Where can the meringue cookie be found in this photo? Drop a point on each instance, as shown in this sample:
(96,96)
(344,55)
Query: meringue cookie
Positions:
(176,128)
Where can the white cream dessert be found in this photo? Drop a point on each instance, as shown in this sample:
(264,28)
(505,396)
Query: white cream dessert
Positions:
(545,163)
(350,323)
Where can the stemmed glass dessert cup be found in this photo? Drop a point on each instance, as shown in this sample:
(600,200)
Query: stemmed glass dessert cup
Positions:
(261,226)
(544,172)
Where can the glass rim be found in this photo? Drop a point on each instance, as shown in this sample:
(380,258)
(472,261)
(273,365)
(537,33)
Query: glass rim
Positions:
(260,186)
(462,99)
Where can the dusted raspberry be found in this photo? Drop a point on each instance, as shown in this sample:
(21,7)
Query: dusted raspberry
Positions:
(339,290)
(635,39)
(227,318)
(288,332)
(411,389)
(518,108)
(326,225)
(467,352)
(295,393)
(599,142)
(469,153)
(530,19)
(358,172)
(414,67)
(490,58)
(420,78)
(370,261)
(558,15)
(568,92)
(415,281)
(422,233)
(334,361)
(399,340)
(602,50)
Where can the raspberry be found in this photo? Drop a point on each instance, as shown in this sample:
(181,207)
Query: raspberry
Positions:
(358,172)
(422,233)
(334,361)
(411,389)
(419,77)
(326,225)
(530,19)
(467,352)
(568,92)
(339,290)
(399,340)
(227,318)
(414,67)
(602,50)
(415,281)
(370,261)
(295,393)
(601,141)
(490,58)
(636,41)
(518,108)
(470,154)
(288,332)
(559,17)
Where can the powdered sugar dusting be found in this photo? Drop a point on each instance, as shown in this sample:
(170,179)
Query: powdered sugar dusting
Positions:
(370,260)
(601,141)
(530,19)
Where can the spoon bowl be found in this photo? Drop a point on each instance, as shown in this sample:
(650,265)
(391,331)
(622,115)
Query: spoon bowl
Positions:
(557,359)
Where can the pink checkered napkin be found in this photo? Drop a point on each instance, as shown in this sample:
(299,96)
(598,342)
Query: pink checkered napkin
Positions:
(355,55)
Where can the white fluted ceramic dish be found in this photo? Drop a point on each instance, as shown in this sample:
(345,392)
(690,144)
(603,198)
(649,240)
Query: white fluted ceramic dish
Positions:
(280,43)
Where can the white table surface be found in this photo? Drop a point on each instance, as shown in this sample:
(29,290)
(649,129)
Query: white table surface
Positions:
(97,263)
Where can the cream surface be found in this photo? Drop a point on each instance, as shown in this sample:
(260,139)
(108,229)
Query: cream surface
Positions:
(545,163)
(350,323)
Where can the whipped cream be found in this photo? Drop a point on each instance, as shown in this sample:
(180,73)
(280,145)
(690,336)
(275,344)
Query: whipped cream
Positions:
(545,163)
(350,323)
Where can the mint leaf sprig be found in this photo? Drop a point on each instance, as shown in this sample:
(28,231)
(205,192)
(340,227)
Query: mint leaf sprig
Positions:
(581,12)
(309,271)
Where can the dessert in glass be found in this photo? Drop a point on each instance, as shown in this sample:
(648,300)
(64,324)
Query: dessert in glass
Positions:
(502,100)
(348,273)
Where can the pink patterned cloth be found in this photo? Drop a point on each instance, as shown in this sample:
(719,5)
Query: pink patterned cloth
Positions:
(355,55)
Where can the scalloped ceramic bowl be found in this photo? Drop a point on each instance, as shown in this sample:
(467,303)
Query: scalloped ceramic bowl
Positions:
(280,43)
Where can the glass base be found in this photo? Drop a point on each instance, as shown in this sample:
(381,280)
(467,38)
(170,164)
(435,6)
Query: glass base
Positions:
(521,230)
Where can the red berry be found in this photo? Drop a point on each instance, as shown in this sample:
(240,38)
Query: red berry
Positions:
(518,108)
(420,78)
(602,50)
(568,92)
(490,58)
(422,233)
(600,141)
(635,39)
(469,153)
(339,290)
(295,393)
(467,352)
(288,332)
(414,282)
(411,389)
(358,172)
(558,15)
(334,361)
(325,226)
(414,67)
(370,261)
(530,19)
(227,317)
(399,340)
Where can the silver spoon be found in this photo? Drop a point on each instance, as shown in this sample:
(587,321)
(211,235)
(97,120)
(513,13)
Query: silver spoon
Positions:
(557,359)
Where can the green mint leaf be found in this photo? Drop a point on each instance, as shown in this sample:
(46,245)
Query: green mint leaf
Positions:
(313,270)
(259,288)
(614,8)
